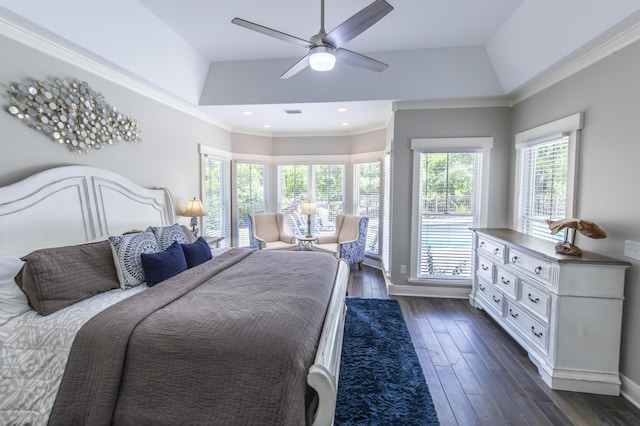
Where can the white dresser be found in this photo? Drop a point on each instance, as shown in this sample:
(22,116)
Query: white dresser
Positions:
(566,311)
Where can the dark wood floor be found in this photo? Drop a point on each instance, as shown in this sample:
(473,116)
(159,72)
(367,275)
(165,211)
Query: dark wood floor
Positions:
(478,374)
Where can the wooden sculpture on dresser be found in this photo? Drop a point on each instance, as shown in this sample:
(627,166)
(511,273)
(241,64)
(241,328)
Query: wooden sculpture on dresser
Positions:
(585,227)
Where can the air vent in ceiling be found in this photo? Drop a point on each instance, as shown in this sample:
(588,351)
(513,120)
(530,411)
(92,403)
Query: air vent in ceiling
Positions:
(293,111)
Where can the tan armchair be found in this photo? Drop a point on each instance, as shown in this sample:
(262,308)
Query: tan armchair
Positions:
(266,232)
(348,240)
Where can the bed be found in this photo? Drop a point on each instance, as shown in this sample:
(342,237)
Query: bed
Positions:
(246,337)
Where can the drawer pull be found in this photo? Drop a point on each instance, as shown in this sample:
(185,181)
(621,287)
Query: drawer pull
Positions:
(505,282)
(538,270)
(536,300)
(533,330)
(495,299)
(481,243)
(514,259)
(496,251)
(484,267)
(512,314)
(481,287)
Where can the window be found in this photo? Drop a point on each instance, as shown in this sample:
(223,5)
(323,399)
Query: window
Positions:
(250,196)
(323,183)
(447,203)
(544,185)
(545,173)
(216,198)
(386,212)
(328,190)
(367,200)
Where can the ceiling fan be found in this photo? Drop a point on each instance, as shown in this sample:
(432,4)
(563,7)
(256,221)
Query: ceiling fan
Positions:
(325,48)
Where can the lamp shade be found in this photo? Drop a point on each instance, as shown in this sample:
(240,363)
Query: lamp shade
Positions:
(322,58)
(194,208)
(308,207)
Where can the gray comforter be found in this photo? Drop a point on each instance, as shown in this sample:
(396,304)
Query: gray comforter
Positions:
(227,342)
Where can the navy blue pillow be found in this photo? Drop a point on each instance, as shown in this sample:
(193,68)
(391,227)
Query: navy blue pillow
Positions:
(197,252)
(163,265)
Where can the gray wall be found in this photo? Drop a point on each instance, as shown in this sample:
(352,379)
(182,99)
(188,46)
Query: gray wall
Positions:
(168,155)
(444,123)
(608,93)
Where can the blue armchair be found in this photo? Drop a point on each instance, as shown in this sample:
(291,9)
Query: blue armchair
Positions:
(348,240)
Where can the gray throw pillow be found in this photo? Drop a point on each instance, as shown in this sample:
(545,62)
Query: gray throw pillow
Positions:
(54,278)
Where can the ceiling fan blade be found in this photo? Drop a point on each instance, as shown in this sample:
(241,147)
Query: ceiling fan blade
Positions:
(296,68)
(271,32)
(358,23)
(360,61)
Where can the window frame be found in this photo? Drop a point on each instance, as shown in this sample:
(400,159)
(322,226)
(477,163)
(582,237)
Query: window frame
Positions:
(386,203)
(570,126)
(234,196)
(481,145)
(311,180)
(356,198)
(225,159)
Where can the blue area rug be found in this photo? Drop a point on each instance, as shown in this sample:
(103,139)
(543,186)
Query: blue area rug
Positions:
(381,381)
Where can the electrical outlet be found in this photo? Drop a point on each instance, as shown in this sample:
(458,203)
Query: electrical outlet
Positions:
(632,249)
(403,269)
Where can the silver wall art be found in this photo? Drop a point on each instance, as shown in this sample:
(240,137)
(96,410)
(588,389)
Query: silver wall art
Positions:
(72,114)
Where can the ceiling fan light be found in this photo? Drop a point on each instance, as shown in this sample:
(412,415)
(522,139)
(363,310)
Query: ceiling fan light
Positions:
(322,58)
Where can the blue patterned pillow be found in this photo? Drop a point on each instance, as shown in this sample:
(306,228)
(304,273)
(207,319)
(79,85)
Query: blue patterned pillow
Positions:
(127,250)
(197,252)
(166,235)
(164,264)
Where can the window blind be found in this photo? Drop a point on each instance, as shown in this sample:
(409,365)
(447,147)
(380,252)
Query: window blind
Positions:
(386,212)
(293,180)
(216,199)
(449,202)
(250,196)
(543,192)
(328,193)
(367,200)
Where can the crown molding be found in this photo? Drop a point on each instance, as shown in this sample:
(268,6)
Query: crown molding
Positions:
(58,51)
(498,101)
(609,47)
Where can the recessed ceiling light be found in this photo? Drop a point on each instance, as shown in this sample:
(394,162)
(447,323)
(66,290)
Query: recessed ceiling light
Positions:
(246,112)
(342,110)
(345,124)
(267,126)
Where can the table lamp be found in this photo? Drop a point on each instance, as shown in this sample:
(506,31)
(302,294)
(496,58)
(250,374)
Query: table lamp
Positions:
(308,208)
(194,210)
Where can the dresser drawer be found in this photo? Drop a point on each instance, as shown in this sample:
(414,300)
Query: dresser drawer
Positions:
(531,329)
(485,269)
(532,265)
(492,249)
(536,300)
(492,297)
(506,282)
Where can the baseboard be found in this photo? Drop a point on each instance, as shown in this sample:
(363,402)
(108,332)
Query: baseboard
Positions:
(448,292)
(630,390)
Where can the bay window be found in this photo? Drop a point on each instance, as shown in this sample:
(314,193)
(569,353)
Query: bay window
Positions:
(216,197)
(367,200)
(321,183)
(251,196)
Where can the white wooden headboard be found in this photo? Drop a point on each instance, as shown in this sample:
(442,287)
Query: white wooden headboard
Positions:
(75,204)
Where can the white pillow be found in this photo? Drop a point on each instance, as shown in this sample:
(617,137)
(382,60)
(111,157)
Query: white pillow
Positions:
(13,301)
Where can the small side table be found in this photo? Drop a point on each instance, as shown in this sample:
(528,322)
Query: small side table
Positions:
(305,243)
(214,241)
